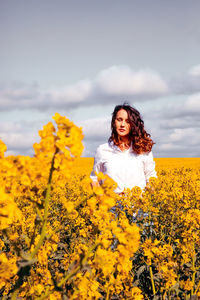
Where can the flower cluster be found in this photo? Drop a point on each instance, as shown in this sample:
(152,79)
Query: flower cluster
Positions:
(61,237)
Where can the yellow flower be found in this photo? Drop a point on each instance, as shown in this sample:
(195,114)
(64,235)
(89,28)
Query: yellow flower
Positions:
(55,296)
(8,269)
(186,285)
(69,206)
(9,212)
(136,293)
(3,149)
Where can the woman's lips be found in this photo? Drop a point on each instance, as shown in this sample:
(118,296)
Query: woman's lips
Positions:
(121,129)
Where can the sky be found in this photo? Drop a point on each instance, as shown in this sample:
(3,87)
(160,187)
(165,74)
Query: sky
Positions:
(82,58)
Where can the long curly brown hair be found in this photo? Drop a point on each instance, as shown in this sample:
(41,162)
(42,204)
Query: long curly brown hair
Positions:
(141,140)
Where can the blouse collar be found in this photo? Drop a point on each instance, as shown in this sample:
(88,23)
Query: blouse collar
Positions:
(115,147)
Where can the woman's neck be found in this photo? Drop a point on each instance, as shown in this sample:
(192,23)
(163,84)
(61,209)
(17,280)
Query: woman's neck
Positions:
(124,143)
(124,140)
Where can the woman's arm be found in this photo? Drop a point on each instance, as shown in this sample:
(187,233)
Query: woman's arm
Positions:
(149,166)
(97,167)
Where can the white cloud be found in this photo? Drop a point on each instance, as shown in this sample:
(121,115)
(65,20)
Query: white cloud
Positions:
(96,129)
(185,136)
(167,146)
(122,80)
(174,125)
(175,129)
(186,83)
(193,103)
(114,83)
(195,71)
(17,140)
(75,93)
(181,143)
(19,136)
(174,136)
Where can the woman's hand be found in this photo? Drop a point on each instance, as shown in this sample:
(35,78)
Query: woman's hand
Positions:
(95,184)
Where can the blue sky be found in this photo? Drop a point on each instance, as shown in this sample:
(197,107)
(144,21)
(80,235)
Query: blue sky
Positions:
(81,58)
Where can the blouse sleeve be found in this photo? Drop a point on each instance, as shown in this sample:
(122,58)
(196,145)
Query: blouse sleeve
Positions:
(98,165)
(149,166)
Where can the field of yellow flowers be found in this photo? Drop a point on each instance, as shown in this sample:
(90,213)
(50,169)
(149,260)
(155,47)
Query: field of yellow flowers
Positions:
(63,239)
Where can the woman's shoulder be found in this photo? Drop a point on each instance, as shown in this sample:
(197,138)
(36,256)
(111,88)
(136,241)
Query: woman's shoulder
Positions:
(146,155)
(103,147)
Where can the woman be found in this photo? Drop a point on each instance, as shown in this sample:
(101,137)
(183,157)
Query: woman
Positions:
(127,157)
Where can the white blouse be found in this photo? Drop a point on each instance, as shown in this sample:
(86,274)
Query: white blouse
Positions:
(126,168)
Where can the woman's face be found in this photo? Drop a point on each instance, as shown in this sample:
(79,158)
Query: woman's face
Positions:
(122,123)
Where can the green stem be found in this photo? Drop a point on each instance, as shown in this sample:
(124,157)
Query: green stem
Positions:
(73,272)
(149,220)
(70,274)
(39,213)
(152,280)
(171,229)
(193,270)
(14,295)
(108,293)
(198,286)
(23,271)
(46,209)
(42,236)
